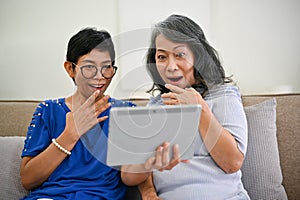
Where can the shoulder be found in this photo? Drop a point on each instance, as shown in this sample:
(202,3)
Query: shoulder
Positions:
(120,103)
(49,106)
(221,91)
(49,113)
(52,103)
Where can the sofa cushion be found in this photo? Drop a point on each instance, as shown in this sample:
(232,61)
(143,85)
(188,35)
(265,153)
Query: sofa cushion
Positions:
(11,148)
(262,176)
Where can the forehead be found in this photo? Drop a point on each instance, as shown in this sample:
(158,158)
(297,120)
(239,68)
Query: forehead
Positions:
(96,56)
(164,44)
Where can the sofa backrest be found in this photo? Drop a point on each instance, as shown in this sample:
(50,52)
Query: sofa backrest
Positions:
(16,115)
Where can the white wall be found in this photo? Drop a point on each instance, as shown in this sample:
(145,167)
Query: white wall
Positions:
(258,41)
(33,41)
(136,18)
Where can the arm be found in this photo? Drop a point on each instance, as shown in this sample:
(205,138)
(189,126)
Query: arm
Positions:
(219,142)
(147,190)
(36,170)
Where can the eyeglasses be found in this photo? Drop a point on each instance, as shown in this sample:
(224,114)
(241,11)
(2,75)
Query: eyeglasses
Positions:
(90,71)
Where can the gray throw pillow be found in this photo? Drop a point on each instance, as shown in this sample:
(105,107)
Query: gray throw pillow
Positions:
(262,176)
(11,149)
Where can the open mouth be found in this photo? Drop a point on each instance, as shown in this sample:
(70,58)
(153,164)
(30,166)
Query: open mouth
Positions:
(175,79)
(97,87)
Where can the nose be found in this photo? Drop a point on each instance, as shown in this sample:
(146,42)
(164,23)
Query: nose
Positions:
(172,64)
(98,74)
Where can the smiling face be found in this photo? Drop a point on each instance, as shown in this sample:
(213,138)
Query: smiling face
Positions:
(175,62)
(86,87)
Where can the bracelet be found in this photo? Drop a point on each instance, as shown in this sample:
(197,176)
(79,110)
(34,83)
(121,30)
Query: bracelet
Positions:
(60,147)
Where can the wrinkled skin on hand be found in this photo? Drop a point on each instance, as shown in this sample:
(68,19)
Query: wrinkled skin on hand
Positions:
(181,96)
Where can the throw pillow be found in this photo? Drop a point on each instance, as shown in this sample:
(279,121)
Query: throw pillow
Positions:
(262,176)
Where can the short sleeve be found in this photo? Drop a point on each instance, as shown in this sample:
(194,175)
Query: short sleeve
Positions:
(228,109)
(38,136)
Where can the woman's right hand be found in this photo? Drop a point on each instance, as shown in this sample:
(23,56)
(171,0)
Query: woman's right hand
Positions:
(85,117)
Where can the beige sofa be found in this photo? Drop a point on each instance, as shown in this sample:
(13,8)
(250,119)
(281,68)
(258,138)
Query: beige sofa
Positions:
(271,158)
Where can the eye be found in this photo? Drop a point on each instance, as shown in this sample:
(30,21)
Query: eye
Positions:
(106,66)
(161,57)
(89,67)
(180,55)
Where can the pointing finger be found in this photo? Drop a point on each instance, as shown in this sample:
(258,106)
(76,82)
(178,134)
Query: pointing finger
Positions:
(174,88)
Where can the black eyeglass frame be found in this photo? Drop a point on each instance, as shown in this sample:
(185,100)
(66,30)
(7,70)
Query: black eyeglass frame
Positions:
(115,68)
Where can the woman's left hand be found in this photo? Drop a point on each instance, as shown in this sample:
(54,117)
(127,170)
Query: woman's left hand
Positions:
(181,96)
(137,173)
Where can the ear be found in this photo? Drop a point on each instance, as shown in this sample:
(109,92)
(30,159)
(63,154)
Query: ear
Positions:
(69,69)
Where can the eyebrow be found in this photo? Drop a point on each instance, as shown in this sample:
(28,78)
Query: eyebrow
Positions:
(180,46)
(176,47)
(91,61)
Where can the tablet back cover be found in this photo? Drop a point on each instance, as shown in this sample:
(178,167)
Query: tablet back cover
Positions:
(135,132)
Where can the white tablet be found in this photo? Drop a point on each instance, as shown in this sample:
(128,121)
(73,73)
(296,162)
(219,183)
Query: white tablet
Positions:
(135,132)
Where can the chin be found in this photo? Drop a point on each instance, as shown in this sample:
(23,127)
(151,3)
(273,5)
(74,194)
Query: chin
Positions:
(180,85)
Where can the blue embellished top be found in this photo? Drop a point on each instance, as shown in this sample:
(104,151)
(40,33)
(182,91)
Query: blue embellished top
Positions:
(84,174)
